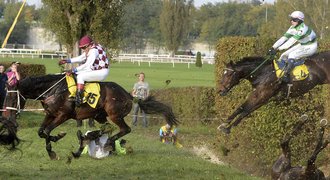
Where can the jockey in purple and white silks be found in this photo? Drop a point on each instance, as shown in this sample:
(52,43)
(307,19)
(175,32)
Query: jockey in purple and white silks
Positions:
(298,33)
(94,68)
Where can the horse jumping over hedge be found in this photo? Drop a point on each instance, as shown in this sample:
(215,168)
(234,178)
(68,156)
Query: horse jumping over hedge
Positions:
(265,83)
(114,102)
(282,168)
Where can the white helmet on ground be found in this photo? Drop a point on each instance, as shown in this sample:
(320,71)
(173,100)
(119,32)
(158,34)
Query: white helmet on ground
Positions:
(297,15)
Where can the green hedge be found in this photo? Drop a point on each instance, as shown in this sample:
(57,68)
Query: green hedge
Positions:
(254,144)
(191,105)
(28,69)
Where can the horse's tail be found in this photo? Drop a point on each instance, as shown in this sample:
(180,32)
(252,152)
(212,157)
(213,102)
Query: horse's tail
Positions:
(151,106)
(8,133)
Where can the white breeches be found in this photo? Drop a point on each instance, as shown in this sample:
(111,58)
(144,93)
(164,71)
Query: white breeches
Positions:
(299,51)
(96,75)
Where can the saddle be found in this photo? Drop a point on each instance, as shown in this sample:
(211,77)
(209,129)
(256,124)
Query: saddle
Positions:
(91,92)
(299,72)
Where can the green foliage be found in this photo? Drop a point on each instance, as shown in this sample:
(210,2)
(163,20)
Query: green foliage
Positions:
(28,69)
(70,20)
(173,22)
(199,60)
(195,105)
(141,25)
(260,133)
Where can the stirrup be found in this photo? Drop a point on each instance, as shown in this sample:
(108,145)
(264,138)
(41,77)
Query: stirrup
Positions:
(71,99)
(289,89)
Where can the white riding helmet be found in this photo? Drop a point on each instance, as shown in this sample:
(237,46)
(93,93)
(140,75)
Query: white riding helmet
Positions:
(297,15)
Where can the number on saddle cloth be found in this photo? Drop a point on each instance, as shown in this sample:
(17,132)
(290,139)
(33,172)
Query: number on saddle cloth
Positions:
(300,70)
(91,92)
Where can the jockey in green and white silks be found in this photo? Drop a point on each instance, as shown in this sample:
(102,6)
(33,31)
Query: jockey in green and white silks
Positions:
(298,33)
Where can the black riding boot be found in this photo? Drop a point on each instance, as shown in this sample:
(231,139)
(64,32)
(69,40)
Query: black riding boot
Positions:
(79,97)
(79,94)
(286,77)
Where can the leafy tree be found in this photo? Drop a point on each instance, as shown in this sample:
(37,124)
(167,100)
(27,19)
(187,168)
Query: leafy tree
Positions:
(139,24)
(174,21)
(316,13)
(70,20)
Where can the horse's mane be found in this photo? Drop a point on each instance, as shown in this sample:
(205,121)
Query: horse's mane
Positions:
(41,80)
(250,60)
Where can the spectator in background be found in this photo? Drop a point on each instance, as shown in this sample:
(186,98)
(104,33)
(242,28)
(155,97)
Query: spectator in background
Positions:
(140,92)
(3,81)
(13,75)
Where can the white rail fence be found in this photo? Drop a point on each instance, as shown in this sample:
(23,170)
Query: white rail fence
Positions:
(134,58)
(31,53)
(154,58)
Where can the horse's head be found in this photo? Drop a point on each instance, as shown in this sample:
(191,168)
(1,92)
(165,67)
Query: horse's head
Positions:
(13,102)
(230,78)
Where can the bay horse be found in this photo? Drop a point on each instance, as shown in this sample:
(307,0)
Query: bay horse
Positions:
(282,168)
(265,83)
(115,102)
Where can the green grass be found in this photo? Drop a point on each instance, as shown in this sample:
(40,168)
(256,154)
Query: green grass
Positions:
(150,159)
(156,74)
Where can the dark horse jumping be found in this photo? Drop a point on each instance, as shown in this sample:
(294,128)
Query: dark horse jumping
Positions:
(282,168)
(266,85)
(115,103)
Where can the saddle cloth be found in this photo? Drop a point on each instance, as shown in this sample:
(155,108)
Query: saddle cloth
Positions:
(91,92)
(299,72)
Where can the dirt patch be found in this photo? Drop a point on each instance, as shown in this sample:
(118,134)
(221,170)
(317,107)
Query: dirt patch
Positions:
(204,152)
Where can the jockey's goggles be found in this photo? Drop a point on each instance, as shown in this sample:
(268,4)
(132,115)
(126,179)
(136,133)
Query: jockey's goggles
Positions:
(84,47)
(295,19)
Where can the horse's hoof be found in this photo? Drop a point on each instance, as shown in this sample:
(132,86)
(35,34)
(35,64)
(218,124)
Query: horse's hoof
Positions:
(223,128)
(76,154)
(323,122)
(69,160)
(304,117)
(53,155)
(61,135)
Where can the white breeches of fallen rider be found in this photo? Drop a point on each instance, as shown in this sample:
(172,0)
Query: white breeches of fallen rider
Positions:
(88,76)
(299,51)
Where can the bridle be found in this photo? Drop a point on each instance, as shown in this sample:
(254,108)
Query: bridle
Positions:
(226,89)
(18,107)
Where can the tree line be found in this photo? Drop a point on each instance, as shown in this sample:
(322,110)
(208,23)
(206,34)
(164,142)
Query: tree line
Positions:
(171,24)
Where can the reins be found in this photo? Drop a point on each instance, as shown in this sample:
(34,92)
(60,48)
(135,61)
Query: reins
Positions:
(49,88)
(259,66)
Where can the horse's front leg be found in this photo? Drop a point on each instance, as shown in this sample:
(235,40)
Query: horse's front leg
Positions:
(225,127)
(256,99)
(44,132)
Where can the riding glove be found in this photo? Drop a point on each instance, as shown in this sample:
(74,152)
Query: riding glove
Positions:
(64,61)
(272,52)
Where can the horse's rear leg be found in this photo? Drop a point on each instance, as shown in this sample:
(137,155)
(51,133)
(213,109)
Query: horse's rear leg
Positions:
(123,130)
(311,169)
